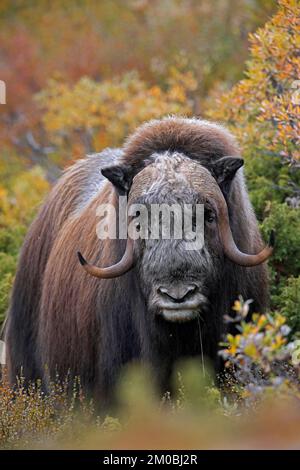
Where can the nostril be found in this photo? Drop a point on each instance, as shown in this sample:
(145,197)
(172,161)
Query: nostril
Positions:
(171,297)
(191,289)
(178,294)
(162,290)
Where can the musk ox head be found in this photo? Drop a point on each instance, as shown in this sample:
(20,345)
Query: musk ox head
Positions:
(176,280)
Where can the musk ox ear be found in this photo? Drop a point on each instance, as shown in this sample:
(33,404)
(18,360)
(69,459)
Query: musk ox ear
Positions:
(120,176)
(224,171)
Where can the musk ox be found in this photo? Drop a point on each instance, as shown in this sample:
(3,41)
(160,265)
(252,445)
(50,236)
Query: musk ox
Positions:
(146,300)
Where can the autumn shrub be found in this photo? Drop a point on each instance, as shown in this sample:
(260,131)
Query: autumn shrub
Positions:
(263,112)
(104,39)
(260,356)
(263,108)
(285,261)
(270,180)
(289,303)
(7,269)
(29,415)
(20,194)
(91,115)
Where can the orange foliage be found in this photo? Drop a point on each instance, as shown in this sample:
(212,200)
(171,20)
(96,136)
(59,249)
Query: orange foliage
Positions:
(101,40)
(91,115)
(265,106)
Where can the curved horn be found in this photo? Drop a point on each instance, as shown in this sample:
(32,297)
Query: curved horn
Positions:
(231,250)
(116,270)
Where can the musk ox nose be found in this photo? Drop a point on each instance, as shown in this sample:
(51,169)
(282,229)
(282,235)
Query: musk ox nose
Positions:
(178,294)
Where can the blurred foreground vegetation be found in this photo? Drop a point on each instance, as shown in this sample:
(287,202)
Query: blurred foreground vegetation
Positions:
(255,406)
(78,80)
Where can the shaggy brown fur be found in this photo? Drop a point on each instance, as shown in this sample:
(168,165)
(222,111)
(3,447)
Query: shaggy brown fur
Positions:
(65,319)
(199,140)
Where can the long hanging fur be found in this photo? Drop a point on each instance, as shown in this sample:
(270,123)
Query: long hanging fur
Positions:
(61,317)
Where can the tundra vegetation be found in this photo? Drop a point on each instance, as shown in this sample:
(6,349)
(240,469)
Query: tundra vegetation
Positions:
(78,82)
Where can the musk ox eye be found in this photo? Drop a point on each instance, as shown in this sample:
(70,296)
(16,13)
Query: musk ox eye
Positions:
(209,217)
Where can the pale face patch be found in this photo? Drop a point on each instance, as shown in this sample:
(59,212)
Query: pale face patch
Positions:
(180,316)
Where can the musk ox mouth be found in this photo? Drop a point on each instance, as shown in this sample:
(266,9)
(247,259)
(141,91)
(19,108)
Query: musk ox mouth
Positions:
(180,303)
(179,315)
(183,311)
